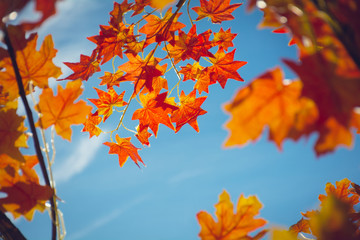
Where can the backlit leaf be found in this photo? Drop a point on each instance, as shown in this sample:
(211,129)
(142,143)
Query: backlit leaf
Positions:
(124,149)
(216,10)
(231,225)
(60,110)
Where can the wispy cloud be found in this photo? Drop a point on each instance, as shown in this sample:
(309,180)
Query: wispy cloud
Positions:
(106,219)
(186,175)
(78,160)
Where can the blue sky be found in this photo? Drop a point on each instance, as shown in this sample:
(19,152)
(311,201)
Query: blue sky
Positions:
(186,171)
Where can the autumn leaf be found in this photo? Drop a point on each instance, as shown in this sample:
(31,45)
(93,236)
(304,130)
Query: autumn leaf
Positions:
(111,40)
(21,184)
(155,110)
(224,67)
(224,39)
(161,29)
(35,66)
(85,68)
(61,110)
(124,149)
(160,4)
(188,111)
(108,100)
(143,135)
(199,74)
(342,192)
(335,95)
(112,79)
(25,197)
(268,100)
(190,45)
(231,225)
(12,134)
(91,125)
(301,226)
(47,8)
(216,10)
(139,6)
(118,12)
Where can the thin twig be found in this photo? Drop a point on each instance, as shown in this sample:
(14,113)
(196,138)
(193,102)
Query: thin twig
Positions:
(32,125)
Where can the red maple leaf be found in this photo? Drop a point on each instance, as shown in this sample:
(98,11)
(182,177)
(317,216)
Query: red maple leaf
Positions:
(108,100)
(216,10)
(85,68)
(124,149)
(190,45)
(224,67)
(188,111)
(155,111)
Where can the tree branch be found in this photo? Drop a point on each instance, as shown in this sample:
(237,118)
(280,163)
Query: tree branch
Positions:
(32,125)
(8,231)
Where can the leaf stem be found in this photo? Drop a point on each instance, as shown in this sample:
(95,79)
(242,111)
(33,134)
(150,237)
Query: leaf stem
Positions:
(32,126)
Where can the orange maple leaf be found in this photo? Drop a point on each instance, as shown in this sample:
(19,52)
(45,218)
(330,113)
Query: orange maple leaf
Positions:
(118,12)
(155,110)
(161,29)
(35,66)
(24,193)
(124,149)
(341,192)
(224,67)
(61,110)
(85,68)
(91,125)
(108,100)
(143,135)
(111,40)
(224,39)
(231,225)
(268,100)
(112,79)
(200,74)
(216,10)
(12,134)
(335,95)
(188,111)
(190,45)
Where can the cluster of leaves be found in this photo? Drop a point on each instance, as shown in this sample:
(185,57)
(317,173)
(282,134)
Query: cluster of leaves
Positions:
(325,97)
(161,36)
(18,179)
(337,217)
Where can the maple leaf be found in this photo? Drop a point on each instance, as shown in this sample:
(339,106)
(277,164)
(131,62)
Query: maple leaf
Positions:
(12,134)
(24,194)
(155,110)
(329,89)
(268,100)
(111,40)
(61,110)
(124,149)
(216,10)
(85,68)
(301,226)
(90,125)
(224,39)
(161,29)
(139,6)
(161,4)
(24,197)
(199,73)
(188,111)
(118,12)
(112,79)
(190,45)
(35,66)
(108,100)
(224,67)
(47,9)
(331,135)
(341,192)
(231,225)
(143,135)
